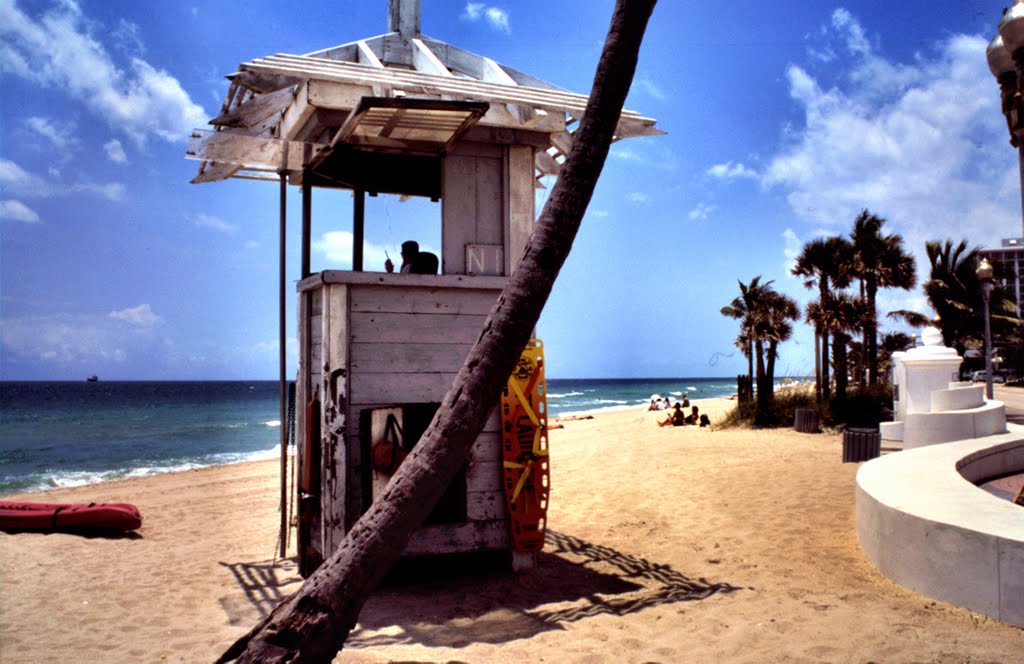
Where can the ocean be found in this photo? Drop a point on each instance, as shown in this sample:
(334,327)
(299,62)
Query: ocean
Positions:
(61,434)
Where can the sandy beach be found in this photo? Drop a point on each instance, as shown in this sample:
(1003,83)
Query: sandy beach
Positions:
(664,545)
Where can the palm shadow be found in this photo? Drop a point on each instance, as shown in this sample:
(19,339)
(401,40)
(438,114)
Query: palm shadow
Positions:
(456,601)
(573,580)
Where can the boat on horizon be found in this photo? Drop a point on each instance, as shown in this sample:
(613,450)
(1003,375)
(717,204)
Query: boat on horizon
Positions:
(93,379)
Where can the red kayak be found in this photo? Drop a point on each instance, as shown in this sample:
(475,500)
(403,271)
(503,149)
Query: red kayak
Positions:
(63,516)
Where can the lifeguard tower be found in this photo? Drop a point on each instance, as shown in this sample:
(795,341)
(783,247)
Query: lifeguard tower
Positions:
(399,113)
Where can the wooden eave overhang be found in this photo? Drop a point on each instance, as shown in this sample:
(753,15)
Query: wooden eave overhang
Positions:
(286,113)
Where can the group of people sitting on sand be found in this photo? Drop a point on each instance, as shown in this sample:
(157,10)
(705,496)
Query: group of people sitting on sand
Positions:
(659,403)
(678,417)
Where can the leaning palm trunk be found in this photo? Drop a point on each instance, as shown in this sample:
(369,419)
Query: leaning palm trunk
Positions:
(312,624)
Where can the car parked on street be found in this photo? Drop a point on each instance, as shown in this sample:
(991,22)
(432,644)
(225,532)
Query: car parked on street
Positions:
(982,376)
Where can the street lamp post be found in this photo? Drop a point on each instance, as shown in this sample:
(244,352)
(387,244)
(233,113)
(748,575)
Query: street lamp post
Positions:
(1005,54)
(984,273)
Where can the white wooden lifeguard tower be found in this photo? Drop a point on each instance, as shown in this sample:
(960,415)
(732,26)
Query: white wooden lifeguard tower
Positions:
(405,114)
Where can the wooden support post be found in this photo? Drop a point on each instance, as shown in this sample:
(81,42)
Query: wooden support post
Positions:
(281,363)
(358,214)
(307,221)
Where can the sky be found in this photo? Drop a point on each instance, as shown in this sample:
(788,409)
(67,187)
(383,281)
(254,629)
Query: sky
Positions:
(783,121)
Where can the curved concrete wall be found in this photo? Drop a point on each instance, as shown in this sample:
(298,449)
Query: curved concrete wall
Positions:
(924,524)
(958,398)
(931,428)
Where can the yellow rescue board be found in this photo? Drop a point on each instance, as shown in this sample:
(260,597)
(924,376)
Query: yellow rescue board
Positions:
(524,442)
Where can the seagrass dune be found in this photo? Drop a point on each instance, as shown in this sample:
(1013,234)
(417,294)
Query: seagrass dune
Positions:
(664,545)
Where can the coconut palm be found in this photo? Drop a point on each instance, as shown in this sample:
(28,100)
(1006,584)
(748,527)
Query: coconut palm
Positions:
(823,262)
(879,261)
(313,623)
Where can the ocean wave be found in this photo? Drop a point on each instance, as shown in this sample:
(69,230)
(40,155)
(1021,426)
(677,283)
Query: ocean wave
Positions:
(563,395)
(272,423)
(74,478)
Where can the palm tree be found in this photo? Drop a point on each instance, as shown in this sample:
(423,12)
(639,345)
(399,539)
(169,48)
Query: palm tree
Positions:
(824,263)
(743,308)
(953,291)
(312,624)
(841,314)
(776,327)
(764,316)
(879,261)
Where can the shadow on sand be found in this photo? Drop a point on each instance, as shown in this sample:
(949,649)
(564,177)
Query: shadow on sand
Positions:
(453,605)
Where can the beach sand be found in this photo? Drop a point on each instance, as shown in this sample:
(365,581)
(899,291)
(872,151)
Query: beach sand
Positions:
(665,545)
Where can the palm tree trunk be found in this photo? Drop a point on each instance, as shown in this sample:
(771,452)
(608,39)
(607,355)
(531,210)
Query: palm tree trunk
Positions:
(817,365)
(839,357)
(763,395)
(826,391)
(312,624)
(871,334)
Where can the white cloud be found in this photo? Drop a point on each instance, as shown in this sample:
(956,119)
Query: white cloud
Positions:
(922,144)
(141,315)
(638,197)
(62,137)
(58,50)
(17,211)
(113,191)
(497,18)
(651,88)
(701,212)
(17,180)
(731,171)
(75,342)
(115,151)
(203,220)
(791,249)
(336,246)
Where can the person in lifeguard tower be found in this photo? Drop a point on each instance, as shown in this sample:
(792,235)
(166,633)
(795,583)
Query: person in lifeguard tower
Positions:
(410,250)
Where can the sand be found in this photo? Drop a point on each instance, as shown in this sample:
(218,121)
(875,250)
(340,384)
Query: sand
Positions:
(665,545)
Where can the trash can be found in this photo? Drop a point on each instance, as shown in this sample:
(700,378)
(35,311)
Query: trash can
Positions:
(806,420)
(861,444)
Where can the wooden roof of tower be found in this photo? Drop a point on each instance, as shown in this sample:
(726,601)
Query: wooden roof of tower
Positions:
(398,92)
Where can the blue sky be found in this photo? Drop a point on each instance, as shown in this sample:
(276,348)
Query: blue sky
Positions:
(784,119)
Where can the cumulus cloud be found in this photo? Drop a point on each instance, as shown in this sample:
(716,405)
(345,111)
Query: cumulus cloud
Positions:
(336,247)
(792,246)
(141,315)
(638,197)
(496,17)
(58,49)
(701,212)
(731,171)
(17,211)
(115,151)
(922,144)
(16,179)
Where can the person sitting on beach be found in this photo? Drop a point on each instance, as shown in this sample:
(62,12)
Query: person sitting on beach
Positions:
(694,416)
(655,405)
(705,421)
(686,402)
(675,418)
